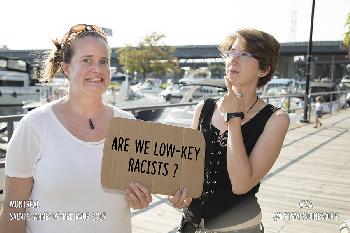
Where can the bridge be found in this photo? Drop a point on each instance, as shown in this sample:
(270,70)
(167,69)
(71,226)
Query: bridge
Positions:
(327,55)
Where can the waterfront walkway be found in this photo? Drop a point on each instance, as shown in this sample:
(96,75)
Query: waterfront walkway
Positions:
(311,179)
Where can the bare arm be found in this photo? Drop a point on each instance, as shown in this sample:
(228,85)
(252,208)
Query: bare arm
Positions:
(196,115)
(15,189)
(245,172)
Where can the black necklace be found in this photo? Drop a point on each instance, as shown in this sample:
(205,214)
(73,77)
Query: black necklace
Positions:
(257,98)
(91,123)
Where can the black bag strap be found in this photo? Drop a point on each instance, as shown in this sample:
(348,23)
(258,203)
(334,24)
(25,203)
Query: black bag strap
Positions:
(208,108)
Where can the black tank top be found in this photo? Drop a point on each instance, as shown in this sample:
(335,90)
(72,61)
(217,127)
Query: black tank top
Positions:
(217,197)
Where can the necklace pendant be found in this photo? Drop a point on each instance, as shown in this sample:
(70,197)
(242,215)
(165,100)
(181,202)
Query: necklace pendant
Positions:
(91,124)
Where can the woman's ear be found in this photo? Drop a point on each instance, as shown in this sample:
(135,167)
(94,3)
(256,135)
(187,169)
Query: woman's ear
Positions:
(264,72)
(65,68)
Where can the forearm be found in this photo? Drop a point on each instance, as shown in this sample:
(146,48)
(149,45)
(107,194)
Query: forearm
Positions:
(8,223)
(238,165)
(16,189)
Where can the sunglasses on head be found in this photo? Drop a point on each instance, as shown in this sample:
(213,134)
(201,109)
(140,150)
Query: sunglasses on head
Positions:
(79,28)
(84,28)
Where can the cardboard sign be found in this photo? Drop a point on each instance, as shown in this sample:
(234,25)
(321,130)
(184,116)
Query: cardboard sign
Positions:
(161,157)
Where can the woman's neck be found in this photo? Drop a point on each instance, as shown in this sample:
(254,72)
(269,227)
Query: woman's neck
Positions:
(85,106)
(249,97)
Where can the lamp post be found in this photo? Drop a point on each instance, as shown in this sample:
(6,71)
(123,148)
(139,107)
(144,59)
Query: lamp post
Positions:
(309,55)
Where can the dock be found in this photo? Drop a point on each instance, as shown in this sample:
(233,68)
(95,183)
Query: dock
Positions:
(307,190)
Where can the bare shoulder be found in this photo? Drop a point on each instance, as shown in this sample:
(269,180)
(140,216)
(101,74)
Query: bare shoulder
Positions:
(279,119)
(282,115)
(199,106)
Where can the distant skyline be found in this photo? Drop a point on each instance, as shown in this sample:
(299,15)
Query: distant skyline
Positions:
(32,24)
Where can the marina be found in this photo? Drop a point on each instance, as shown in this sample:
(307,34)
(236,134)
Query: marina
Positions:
(305,191)
(64,77)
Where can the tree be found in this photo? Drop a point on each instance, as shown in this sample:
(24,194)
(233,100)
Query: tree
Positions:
(346,40)
(4,47)
(151,56)
(217,70)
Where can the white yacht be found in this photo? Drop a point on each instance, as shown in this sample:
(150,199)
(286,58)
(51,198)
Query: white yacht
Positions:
(276,92)
(16,84)
(191,85)
(143,95)
(197,75)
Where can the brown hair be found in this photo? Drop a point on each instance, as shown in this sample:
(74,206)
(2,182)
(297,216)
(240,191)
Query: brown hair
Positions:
(64,49)
(319,99)
(262,45)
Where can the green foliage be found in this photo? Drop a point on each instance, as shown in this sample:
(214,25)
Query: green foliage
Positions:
(217,70)
(150,56)
(346,40)
(164,85)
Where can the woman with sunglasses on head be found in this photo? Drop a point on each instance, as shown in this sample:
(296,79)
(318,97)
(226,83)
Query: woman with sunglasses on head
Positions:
(53,162)
(244,136)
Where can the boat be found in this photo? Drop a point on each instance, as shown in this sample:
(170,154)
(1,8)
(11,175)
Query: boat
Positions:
(345,86)
(278,90)
(16,83)
(182,116)
(144,95)
(345,81)
(332,102)
(197,75)
(178,92)
(49,92)
(149,86)
(279,86)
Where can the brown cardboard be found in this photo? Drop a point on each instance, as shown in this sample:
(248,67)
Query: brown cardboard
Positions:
(120,166)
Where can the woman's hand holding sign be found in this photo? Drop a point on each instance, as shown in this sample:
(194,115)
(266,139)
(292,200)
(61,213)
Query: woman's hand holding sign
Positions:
(138,196)
(180,199)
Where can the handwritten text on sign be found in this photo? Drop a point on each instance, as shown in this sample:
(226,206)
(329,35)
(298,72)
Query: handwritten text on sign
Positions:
(163,158)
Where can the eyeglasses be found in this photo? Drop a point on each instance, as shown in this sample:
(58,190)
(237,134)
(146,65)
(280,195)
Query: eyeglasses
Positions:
(241,55)
(83,28)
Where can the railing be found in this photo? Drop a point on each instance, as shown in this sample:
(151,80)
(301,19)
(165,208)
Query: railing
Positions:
(285,102)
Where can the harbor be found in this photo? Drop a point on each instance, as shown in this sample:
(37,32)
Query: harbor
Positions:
(305,191)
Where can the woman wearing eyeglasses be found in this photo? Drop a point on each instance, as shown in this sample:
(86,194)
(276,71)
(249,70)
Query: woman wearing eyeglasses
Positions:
(53,161)
(244,136)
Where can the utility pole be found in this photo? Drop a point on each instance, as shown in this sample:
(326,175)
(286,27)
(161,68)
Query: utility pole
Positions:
(309,55)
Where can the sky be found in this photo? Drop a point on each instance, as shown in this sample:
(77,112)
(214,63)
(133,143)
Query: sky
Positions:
(32,24)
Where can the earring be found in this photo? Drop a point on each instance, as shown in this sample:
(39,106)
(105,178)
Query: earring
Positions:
(261,74)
